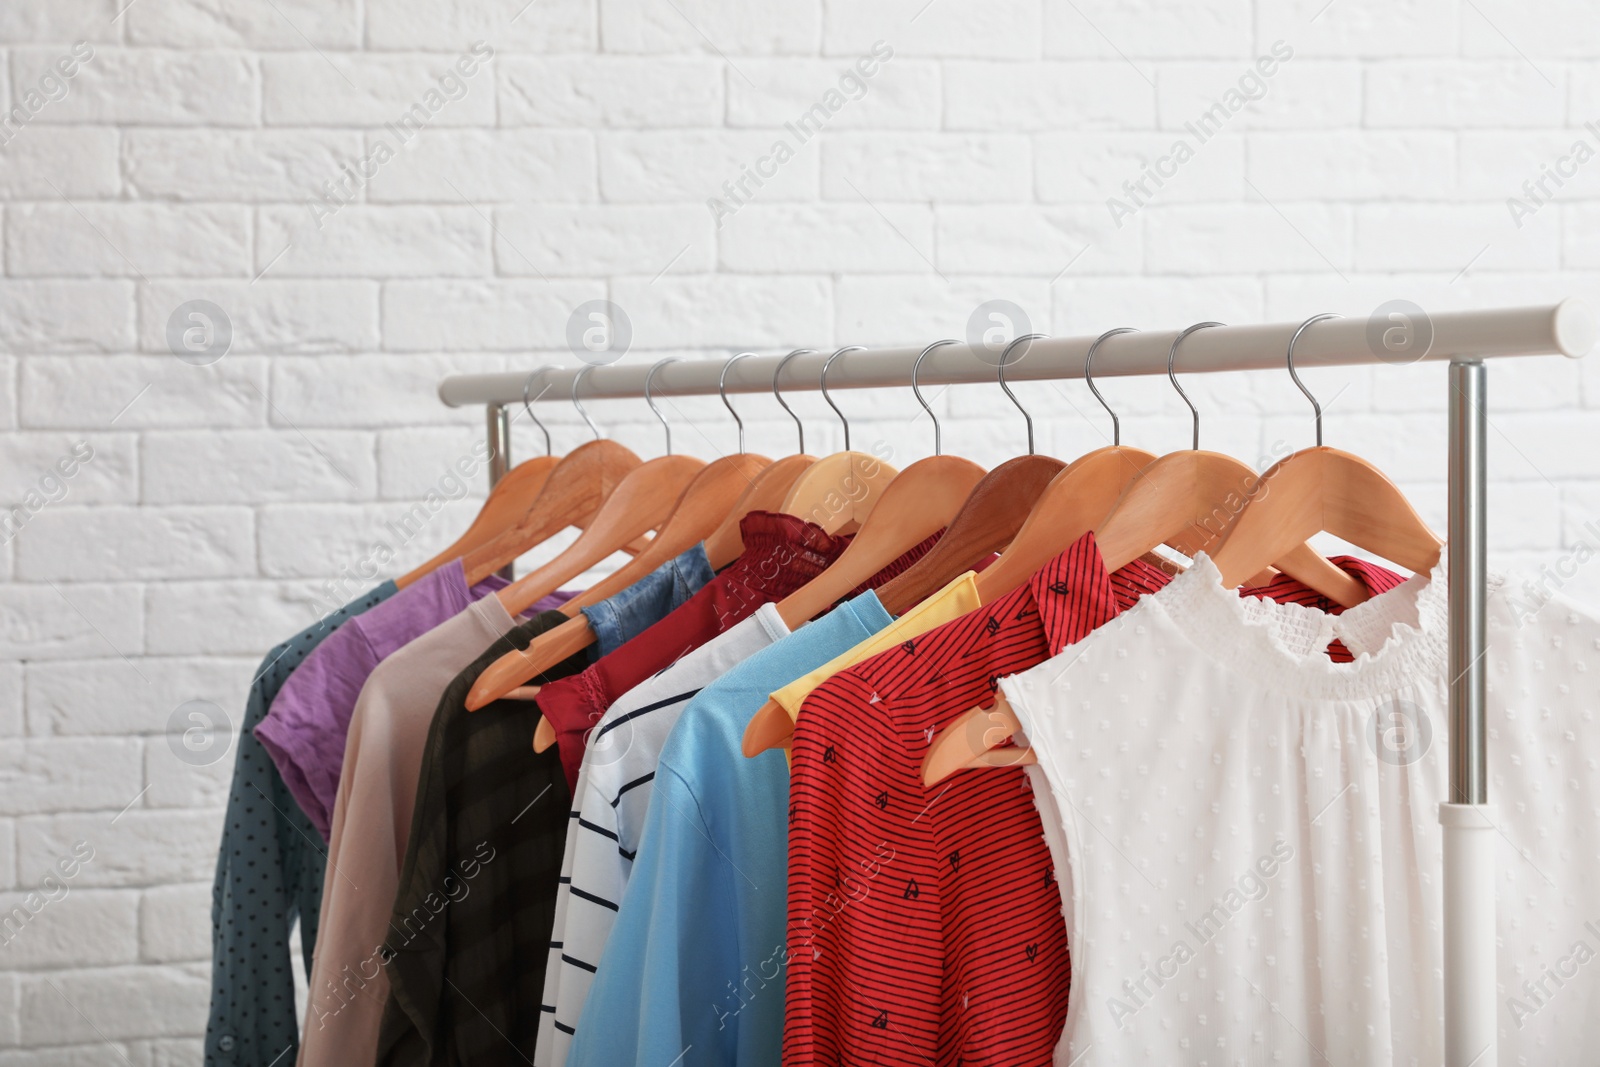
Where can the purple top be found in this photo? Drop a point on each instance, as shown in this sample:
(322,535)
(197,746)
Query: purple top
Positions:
(304,730)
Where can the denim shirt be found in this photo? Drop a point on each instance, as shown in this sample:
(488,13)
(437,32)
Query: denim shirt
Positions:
(269,872)
(618,619)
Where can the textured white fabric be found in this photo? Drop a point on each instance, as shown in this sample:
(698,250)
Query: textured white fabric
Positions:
(609,806)
(1252,835)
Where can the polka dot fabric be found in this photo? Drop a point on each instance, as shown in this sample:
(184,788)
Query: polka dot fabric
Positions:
(269,873)
(1252,830)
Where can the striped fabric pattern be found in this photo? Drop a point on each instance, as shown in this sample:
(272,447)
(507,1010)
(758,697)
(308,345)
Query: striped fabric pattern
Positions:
(608,812)
(870,850)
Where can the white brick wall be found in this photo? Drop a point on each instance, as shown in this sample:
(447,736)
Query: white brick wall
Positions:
(188,155)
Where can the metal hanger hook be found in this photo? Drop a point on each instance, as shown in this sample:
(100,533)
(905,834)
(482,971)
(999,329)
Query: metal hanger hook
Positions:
(1005,357)
(824,384)
(648,399)
(1172,357)
(1316,408)
(528,406)
(938,438)
(722,391)
(1088,376)
(577,380)
(799,426)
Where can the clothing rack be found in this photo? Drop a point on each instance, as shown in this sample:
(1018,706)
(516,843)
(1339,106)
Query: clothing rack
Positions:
(1464,339)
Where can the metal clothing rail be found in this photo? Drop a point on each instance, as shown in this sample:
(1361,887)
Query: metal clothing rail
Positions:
(1464,339)
(1568,328)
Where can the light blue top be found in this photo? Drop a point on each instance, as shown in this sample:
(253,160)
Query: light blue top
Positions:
(695,964)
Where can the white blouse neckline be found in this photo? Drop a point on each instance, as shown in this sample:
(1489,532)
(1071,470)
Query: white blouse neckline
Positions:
(1398,638)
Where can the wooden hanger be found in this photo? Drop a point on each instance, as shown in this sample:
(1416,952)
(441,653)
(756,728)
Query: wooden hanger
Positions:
(707,496)
(922,500)
(1071,505)
(1319,490)
(571,496)
(703,504)
(1073,502)
(1189,499)
(1089,486)
(768,490)
(839,491)
(1196,495)
(974,740)
(510,500)
(1176,496)
(704,501)
(641,502)
(989,520)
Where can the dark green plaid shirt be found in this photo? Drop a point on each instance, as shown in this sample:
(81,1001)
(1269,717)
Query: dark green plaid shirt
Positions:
(471,923)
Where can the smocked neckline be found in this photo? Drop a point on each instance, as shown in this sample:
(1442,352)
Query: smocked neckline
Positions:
(1398,639)
(768,530)
(802,543)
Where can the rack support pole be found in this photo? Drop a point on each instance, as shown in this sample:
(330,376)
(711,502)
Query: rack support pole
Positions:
(1469,837)
(499,427)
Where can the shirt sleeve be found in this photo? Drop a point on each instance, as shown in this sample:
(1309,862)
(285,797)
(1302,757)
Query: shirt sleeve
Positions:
(268,875)
(670,978)
(304,729)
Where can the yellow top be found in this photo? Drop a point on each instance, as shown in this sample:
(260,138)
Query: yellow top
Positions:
(953,601)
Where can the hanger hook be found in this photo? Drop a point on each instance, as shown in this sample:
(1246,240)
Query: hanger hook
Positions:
(648,399)
(1172,357)
(528,407)
(1005,357)
(1088,376)
(1316,408)
(799,426)
(577,380)
(938,438)
(723,392)
(826,364)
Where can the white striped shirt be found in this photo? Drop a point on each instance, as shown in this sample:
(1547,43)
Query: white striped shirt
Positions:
(608,811)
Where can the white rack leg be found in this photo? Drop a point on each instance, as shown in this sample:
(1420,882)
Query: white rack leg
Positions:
(1469,840)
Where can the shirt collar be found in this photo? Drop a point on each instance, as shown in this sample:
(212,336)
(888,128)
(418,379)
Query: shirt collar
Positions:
(1074,594)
